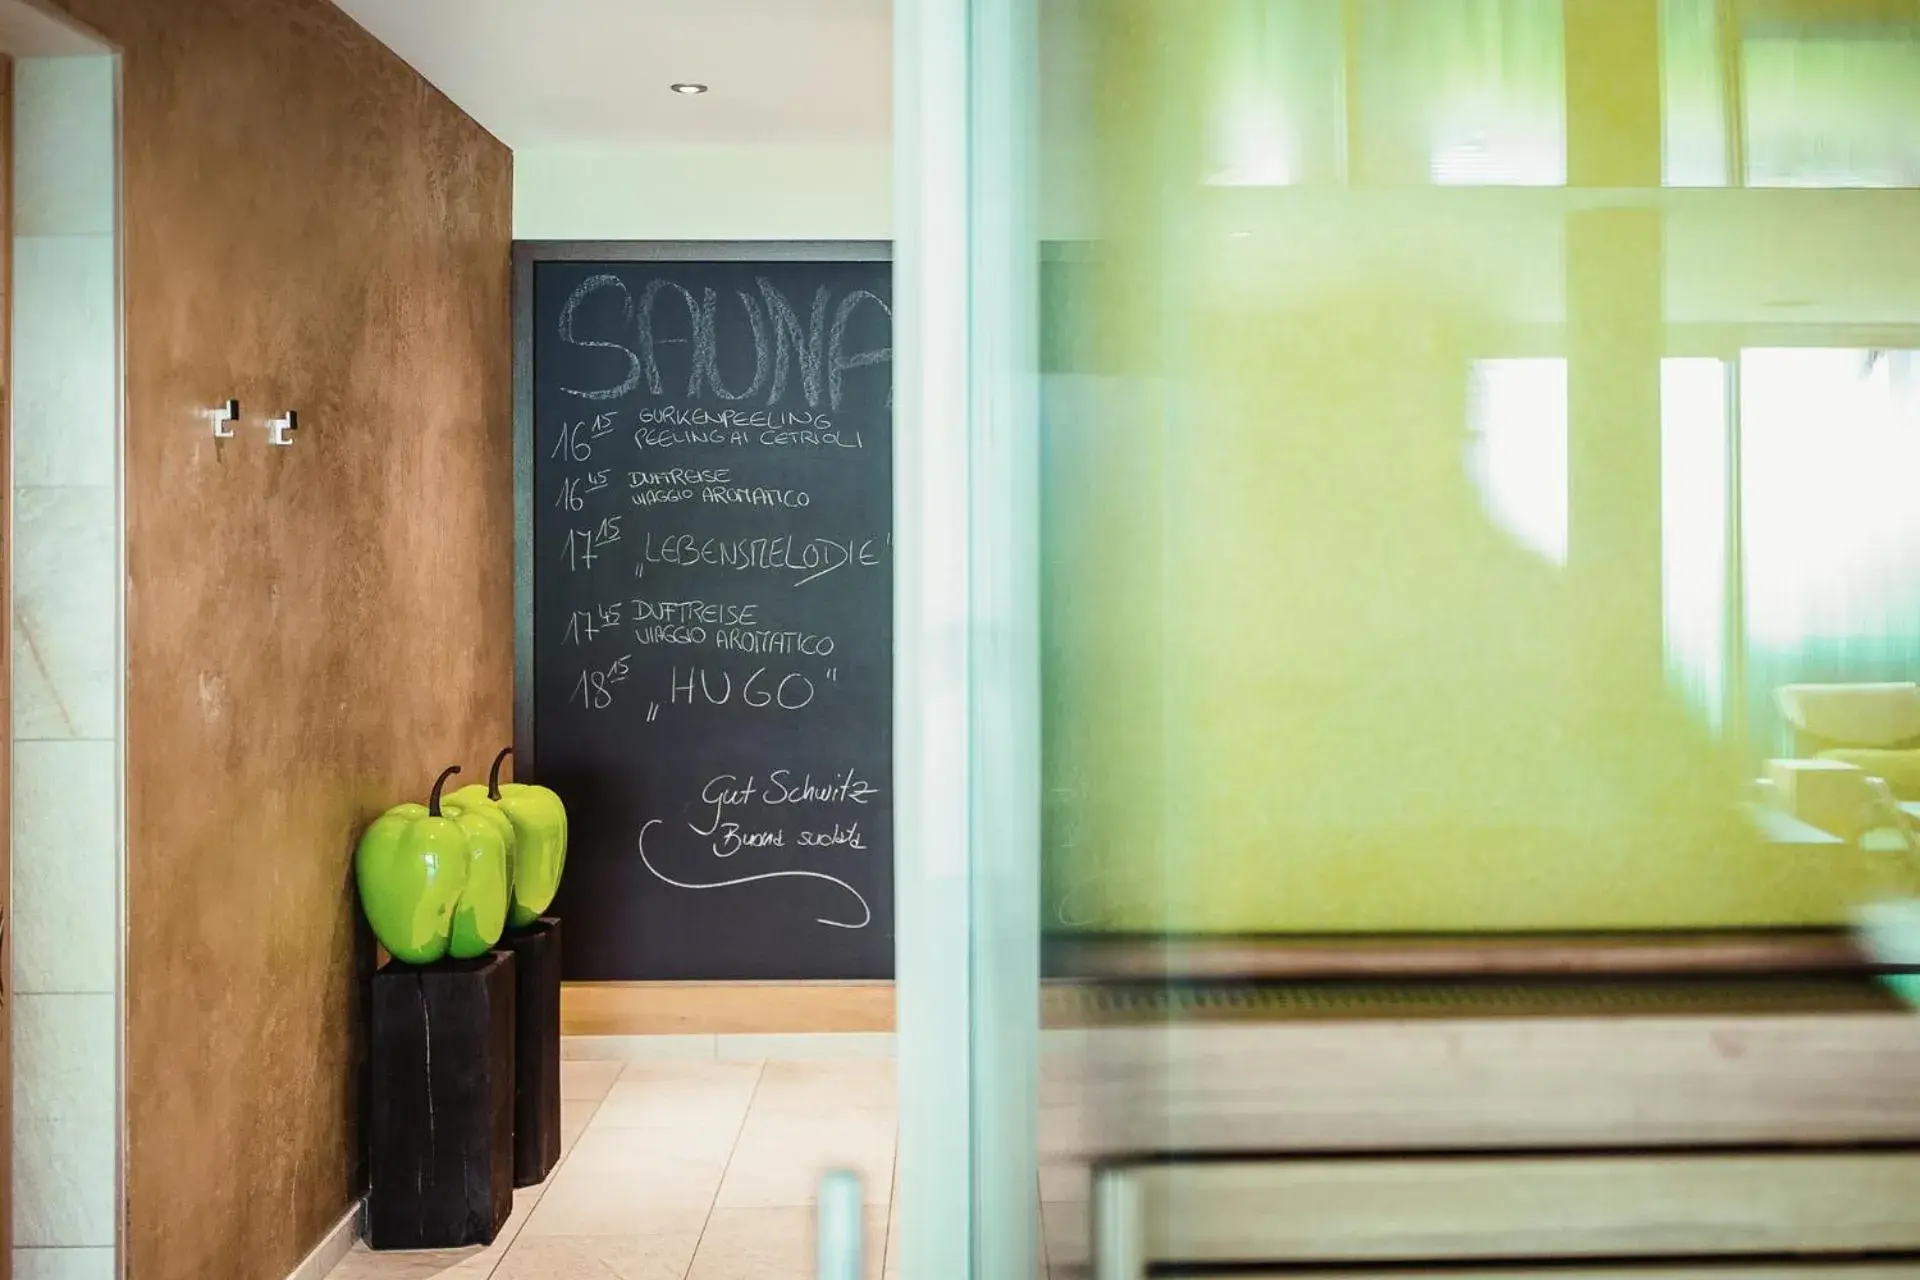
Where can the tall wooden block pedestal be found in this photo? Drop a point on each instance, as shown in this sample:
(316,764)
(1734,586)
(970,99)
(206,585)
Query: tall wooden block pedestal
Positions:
(536,1069)
(441,1141)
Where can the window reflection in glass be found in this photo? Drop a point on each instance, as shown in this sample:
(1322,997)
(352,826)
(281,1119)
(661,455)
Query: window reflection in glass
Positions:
(1790,93)
(1517,450)
(1694,532)
(1830,460)
(1517,457)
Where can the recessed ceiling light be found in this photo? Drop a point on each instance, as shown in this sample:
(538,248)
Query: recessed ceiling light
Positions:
(1241,235)
(689,88)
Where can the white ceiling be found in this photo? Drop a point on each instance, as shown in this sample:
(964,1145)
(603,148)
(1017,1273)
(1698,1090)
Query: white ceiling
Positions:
(547,72)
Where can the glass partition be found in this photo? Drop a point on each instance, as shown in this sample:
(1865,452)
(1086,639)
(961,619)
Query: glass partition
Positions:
(1437,492)
(1470,529)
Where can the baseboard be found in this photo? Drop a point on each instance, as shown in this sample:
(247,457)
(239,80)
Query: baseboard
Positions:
(334,1246)
(699,1009)
(799,1046)
(812,1046)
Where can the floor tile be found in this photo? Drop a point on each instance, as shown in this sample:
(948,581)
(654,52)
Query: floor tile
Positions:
(772,1244)
(1065,1182)
(824,1085)
(705,1170)
(1062,1133)
(781,1157)
(588,1080)
(1068,1230)
(651,1095)
(630,1048)
(613,1149)
(573,1123)
(798,1045)
(893,1224)
(656,1190)
(671,1071)
(476,1263)
(600,1258)
(433,1264)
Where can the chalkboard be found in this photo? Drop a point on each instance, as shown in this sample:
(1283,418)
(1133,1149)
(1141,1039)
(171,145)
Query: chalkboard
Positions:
(706,594)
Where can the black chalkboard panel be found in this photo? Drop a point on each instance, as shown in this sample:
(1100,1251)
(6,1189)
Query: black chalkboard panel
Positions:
(709,494)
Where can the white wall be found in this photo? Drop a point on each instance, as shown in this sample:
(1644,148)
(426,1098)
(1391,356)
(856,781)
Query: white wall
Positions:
(837,191)
(68,661)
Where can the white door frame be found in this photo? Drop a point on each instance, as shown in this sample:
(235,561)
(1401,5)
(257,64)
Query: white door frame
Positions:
(966,660)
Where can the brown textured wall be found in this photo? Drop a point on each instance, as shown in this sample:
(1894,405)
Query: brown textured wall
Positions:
(311,630)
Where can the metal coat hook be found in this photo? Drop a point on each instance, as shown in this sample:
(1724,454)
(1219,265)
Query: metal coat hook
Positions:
(223,417)
(280,430)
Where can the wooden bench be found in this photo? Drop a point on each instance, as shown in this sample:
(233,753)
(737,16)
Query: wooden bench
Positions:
(1746,1119)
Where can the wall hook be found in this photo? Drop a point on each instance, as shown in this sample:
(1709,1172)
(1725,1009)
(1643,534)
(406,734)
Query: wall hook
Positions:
(280,430)
(223,418)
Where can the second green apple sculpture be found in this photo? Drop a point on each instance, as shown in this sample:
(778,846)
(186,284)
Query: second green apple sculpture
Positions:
(435,879)
(539,822)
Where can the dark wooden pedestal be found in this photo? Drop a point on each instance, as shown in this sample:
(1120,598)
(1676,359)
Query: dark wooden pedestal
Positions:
(536,1062)
(441,1140)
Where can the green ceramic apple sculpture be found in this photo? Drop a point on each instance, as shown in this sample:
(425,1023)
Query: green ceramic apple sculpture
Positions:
(434,879)
(539,822)
(471,803)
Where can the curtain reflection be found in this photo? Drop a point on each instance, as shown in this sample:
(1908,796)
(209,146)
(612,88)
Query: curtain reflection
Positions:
(1279,113)
(1831,104)
(1449,92)
(1462,92)
(1693,93)
(1473,92)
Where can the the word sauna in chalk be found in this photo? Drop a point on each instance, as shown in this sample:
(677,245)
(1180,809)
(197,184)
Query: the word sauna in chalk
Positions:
(787,351)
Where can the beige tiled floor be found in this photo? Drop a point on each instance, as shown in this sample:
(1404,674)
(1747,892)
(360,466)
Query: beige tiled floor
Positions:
(697,1170)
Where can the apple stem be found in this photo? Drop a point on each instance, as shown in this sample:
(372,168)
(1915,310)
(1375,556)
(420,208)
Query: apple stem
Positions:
(433,801)
(493,777)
